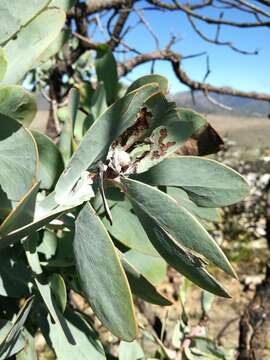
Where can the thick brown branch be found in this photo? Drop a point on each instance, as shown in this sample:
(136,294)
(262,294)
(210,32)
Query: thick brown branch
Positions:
(175,60)
(127,66)
(195,85)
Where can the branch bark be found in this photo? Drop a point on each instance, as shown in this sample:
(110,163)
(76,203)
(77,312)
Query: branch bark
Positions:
(175,60)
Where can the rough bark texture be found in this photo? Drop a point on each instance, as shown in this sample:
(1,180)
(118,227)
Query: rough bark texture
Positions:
(254,339)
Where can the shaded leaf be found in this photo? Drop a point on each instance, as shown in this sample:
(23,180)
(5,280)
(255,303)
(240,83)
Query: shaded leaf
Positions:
(183,261)
(140,286)
(22,214)
(204,142)
(102,276)
(132,234)
(11,337)
(98,101)
(209,214)
(65,141)
(59,290)
(177,222)
(17,103)
(14,274)
(106,70)
(154,268)
(51,162)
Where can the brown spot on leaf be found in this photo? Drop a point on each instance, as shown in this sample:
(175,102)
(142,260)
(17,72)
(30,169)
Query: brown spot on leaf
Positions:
(205,142)
(135,132)
(162,146)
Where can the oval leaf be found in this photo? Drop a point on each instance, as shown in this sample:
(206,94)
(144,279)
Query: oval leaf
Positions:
(140,286)
(182,260)
(18,159)
(147,79)
(17,103)
(102,276)
(51,162)
(132,234)
(177,221)
(3,63)
(23,52)
(208,183)
(14,15)
(87,345)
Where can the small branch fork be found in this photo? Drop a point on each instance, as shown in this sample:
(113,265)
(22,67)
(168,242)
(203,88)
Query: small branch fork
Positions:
(111,18)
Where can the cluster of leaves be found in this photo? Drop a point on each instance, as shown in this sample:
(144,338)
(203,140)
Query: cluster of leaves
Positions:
(106,209)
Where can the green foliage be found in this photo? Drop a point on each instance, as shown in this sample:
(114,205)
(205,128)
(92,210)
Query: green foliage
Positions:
(123,208)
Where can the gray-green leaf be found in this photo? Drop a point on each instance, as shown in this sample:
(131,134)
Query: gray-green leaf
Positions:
(208,183)
(102,275)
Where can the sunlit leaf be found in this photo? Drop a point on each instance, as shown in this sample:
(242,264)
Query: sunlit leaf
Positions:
(10,339)
(87,344)
(147,79)
(130,351)
(50,302)
(14,15)
(97,140)
(208,183)
(18,160)
(24,51)
(3,63)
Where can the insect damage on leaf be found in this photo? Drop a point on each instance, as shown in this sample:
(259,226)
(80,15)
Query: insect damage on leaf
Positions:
(135,132)
(159,145)
(119,157)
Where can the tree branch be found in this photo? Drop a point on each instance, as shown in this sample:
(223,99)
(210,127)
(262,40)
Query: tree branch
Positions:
(175,60)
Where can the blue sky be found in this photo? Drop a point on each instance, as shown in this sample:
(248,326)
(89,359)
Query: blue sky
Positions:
(248,73)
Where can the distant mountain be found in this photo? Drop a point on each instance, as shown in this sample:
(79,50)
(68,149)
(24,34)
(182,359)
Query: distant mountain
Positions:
(240,106)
